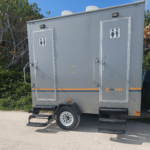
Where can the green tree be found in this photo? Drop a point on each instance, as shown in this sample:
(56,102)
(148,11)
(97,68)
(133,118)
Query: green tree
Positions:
(147,18)
(146,45)
(13,30)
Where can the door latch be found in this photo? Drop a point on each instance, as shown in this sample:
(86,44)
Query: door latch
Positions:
(97,84)
(33,85)
(31,64)
(97,60)
(103,66)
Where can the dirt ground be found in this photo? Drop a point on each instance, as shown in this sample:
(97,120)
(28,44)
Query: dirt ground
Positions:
(15,135)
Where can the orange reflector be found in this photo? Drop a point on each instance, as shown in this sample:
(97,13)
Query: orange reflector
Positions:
(69,100)
(138,112)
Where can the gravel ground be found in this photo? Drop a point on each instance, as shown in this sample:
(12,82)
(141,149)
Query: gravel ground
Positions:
(15,135)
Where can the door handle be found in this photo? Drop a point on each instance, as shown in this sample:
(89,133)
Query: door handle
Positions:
(103,66)
(95,61)
(24,72)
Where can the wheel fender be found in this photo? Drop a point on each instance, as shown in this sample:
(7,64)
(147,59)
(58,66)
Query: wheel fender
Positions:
(74,106)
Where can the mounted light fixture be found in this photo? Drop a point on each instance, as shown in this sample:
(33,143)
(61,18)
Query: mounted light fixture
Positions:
(42,26)
(116,14)
(48,12)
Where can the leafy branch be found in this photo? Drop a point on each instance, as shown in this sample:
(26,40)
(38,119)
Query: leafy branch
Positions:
(13,31)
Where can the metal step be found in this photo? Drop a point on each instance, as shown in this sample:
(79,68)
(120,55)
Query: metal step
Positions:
(33,111)
(50,107)
(40,116)
(112,121)
(116,127)
(114,110)
(33,124)
(111,131)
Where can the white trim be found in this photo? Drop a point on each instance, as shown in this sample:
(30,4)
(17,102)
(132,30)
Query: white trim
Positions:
(42,30)
(53,68)
(54,65)
(114,101)
(115,19)
(128,58)
(101,37)
(34,68)
(128,61)
(52,100)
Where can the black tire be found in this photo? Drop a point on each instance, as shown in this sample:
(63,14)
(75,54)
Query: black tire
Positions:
(76,118)
(77,122)
(36,111)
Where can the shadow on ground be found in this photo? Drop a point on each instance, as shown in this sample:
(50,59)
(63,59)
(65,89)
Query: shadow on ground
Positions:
(136,132)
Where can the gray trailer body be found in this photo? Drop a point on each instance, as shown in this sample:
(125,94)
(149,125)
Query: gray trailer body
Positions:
(91,58)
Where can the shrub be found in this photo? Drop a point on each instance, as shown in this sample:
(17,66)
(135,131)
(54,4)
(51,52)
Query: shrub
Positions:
(14,93)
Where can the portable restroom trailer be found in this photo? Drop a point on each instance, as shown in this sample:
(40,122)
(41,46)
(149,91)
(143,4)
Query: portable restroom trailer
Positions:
(88,62)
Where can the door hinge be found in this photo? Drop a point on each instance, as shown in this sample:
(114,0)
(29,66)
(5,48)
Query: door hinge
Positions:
(33,85)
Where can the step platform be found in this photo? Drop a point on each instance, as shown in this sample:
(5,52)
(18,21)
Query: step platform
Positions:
(112,121)
(112,126)
(39,116)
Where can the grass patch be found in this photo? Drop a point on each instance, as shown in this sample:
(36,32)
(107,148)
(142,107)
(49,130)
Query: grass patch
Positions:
(14,93)
(8,104)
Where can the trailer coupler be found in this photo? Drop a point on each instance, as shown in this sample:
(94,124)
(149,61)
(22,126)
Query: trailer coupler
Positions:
(40,116)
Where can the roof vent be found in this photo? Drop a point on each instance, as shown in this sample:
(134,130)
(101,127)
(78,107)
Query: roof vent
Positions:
(90,8)
(66,12)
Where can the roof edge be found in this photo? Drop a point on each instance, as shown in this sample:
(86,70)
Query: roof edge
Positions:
(139,2)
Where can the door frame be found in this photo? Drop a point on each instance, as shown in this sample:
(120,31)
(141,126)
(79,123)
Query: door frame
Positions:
(54,66)
(128,61)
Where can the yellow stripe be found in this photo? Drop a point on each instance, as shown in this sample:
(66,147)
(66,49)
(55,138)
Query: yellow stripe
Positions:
(134,88)
(69,89)
(81,89)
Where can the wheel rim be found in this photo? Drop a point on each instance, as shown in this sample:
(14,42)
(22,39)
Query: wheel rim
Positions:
(66,118)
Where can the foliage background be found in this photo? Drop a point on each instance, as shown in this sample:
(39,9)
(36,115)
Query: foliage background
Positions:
(14,94)
(13,31)
(146,45)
